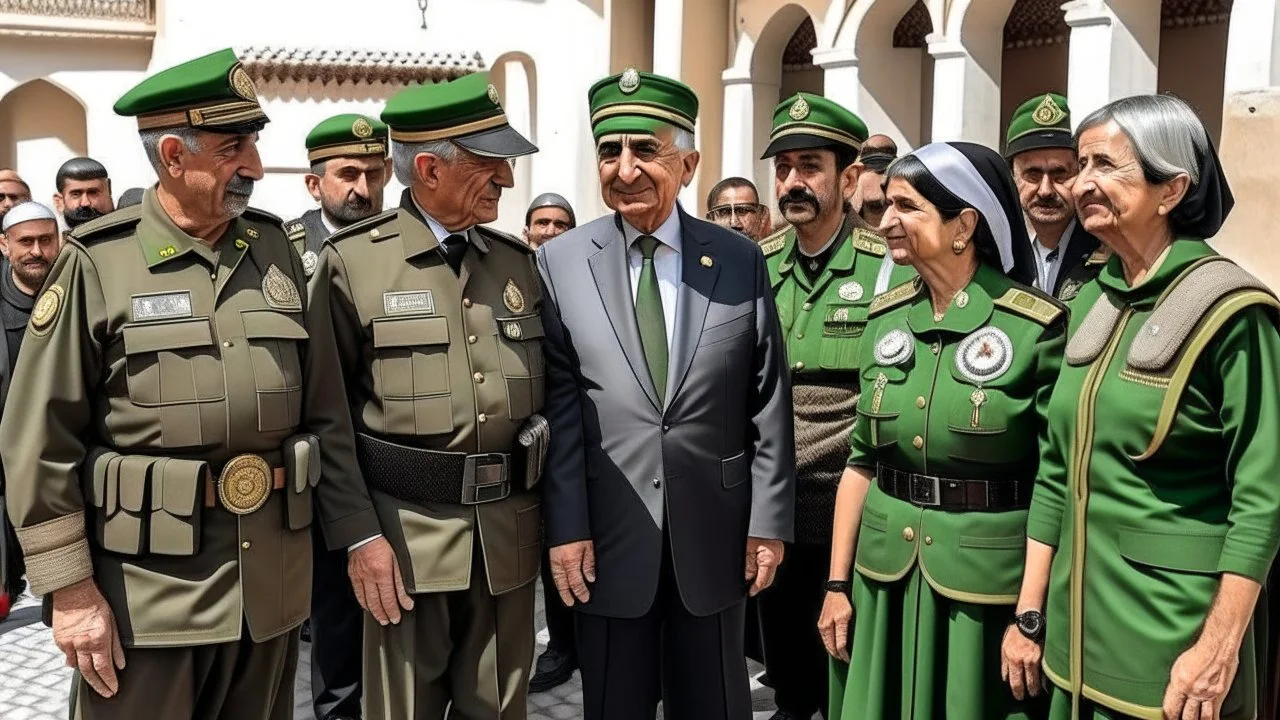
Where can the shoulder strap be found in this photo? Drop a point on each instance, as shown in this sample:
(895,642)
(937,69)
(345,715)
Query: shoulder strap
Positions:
(1034,305)
(1095,331)
(773,244)
(868,242)
(895,297)
(107,225)
(363,226)
(295,230)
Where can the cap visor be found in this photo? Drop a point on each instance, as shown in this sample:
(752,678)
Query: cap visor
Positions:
(1036,141)
(799,142)
(501,142)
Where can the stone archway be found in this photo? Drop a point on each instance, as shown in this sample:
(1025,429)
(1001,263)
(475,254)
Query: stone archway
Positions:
(1035,56)
(42,125)
(515,76)
(1193,55)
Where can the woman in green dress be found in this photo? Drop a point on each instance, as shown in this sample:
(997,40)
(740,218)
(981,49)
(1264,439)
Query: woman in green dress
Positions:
(1157,508)
(931,511)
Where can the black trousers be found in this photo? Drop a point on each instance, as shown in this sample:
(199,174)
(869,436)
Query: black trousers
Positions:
(559,617)
(337,635)
(694,665)
(793,653)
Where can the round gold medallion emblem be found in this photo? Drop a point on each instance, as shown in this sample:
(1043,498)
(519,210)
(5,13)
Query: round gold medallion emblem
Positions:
(361,128)
(630,81)
(799,109)
(245,484)
(46,309)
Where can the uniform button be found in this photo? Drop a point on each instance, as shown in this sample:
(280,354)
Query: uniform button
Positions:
(799,336)
(246,544)
(482,418)
(920,402)
(466,302)
(472,339)
(657,483)
(666,428)
(213,276)
(227,343)
(928,539)
(808,306)
(908,533)
(799,366)
(918,442)
(478,377)
(934,348)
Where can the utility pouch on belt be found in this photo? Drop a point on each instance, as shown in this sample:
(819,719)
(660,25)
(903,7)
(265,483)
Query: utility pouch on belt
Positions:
(302,470)
(534,437)
(145,504)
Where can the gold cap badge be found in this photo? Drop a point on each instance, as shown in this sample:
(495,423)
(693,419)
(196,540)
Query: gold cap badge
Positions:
(1047,112)
(493,95)
(799,109)
(630,81)
(512,297)
(362,129)
(243,86)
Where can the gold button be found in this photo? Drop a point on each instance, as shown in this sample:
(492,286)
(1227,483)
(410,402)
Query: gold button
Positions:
(918,442)
(479,377)
(227,343)
(374,232)
(482,418)
(213,276)
(472,339)
(908,533)
(935,348)
(799,366)
(799,336)
(466,302)
(920,402)
(808,306)
(928,540)
(246,544)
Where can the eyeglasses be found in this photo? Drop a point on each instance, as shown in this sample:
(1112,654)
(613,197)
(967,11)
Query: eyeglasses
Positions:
(725,213)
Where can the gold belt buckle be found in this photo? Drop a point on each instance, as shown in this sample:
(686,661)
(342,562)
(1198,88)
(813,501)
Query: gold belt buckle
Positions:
(245,484)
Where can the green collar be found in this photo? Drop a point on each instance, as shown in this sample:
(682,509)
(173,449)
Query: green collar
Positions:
(841,260)
(162,240)
(1175,258)
(969,310)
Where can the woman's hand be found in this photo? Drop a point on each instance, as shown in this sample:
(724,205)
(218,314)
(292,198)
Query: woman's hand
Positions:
(1199,681)
(1020,663)
(833,625)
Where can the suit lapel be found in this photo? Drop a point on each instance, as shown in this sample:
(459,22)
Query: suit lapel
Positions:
(1080,245)
(609,268)
(697,283)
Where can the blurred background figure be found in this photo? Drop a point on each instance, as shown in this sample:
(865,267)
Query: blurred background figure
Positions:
(549,215)
(868,200)
(735,204)
(132,196)
(13,190)
(84,191)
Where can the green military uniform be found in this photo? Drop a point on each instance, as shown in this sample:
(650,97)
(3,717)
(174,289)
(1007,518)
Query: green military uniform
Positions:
(171,462)
(444,368)
(346,135)
(951,411)
(1162,448)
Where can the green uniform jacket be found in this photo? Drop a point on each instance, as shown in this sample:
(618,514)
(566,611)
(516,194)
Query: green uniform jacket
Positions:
(153,360)
(823,323)
(922,414)
(1129,595)
(442,362)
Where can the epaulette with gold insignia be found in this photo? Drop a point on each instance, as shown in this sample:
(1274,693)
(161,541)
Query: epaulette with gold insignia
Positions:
(295,229)
(108,225)
(1099,256)
(363,226)
(1033,304)
(895,296)
(260,215)
(773,244)
(504,237)
(868,242)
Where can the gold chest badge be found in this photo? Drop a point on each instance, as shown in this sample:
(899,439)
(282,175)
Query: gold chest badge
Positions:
(281,293)
(512,297)
(245,484)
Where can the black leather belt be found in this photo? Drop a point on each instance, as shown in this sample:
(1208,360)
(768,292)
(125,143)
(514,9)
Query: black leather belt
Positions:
(427,476)
(952,494)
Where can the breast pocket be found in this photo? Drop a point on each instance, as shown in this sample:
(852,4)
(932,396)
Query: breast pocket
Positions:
(881,402)
(842,328)
(172,363)
(523,368)
(411,374)
(995,420)
(273,339)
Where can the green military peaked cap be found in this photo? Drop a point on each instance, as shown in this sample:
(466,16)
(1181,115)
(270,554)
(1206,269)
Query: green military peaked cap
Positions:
(347,135)
(640,102)
(805,121)
(467,111)
(1044,121)
(211,93)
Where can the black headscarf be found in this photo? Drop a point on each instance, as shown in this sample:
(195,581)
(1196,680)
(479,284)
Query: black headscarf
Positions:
(1207,203)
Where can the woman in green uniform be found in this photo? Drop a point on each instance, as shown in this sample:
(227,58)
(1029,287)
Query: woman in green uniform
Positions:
(1157,500)
(931,511)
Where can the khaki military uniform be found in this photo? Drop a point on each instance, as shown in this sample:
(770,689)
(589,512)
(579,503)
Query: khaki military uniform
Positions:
(442,369)
(173,378)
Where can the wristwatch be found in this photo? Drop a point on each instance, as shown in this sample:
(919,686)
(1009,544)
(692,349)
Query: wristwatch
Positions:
(838,586)
(1030,624)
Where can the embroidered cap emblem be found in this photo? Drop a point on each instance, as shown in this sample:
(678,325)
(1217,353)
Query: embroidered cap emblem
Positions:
(493,96)
(1047,112)
(630,81)
(799,109)
(243,86)
(362,129)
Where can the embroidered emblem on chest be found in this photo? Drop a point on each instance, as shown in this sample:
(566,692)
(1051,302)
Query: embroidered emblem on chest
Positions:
(281,293)
(512,297)
(161,306)
(852,291)
(894,348)
(984,355)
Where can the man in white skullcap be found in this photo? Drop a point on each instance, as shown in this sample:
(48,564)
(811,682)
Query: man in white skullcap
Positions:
(30,241)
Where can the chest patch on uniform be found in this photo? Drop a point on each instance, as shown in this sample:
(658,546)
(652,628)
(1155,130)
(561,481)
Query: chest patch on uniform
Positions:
(399,303)
(852,291)
(280,291)
(161,306)
(309,262)
(512,297)
(894,348)
(984,355)
(46,309)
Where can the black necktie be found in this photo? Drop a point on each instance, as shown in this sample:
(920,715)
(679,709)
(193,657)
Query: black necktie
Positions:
(454,247)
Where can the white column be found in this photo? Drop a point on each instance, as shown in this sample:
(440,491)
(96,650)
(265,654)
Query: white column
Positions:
(1253,58)
(1114,48)
(516,103)
(739,146)
(966,97)
(668,37)
(840,76)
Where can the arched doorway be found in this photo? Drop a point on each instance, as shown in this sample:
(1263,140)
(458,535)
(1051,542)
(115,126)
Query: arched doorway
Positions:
(41,126)
(914,111)
(799,74)
(1035,57)
(1193,55)
(515,77)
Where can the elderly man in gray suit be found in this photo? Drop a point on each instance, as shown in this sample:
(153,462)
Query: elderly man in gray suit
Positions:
(670,480)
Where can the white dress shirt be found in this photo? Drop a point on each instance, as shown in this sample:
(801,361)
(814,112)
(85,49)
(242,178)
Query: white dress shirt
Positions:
(666,264)
(436,228)
(324,220)
(1049,260)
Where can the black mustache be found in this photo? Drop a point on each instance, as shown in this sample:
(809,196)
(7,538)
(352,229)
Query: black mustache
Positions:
(81,215)
(798,198)
(240,185)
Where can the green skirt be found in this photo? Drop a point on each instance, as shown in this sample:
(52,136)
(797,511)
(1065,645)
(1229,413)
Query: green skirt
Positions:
(916,655)
(1060,708)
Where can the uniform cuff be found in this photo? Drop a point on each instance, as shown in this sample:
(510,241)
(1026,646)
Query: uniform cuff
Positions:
(1246,565)
(351,529)
(1045,530)
(55,569)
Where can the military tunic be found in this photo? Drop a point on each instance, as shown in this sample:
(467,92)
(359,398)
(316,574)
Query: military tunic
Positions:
(1144,530)
(958,398)
(157,360)
(307,234)
(443,362)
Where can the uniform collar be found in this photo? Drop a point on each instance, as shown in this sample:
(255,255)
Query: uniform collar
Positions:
(841,261)
(986,283)
(1181,253)
(163,240)
(668,233)
(416,243)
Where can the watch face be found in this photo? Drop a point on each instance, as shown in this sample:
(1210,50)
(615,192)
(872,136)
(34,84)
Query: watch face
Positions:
(1031,624)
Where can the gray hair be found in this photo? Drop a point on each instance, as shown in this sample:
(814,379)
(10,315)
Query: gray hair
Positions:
(403,154)
(317,167)
(1168,137)
(683,139)
(190,138)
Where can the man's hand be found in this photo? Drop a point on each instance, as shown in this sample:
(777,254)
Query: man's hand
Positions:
(833,625)
(572,567)
(375,577)
(1020,663)
(764,555)
(1199,681)
(85,631)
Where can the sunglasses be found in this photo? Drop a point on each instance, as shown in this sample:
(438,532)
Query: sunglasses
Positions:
(723,213)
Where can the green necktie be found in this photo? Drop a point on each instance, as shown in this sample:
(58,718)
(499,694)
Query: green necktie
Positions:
(649,316)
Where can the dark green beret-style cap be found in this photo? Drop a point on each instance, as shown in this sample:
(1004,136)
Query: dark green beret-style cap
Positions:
(212,93)
(467,111)
(1044,121)
(805,121)
(347,135)
(640,102)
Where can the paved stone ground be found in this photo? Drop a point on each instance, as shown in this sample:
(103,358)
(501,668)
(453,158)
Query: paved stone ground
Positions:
(34,680)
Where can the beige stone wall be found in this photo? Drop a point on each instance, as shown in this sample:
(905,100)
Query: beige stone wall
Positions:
(40,128)
(1191,62)
(1027,72)
(705,56)
(1250,143)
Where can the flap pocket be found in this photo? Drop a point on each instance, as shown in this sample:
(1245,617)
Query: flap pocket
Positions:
(271,324)
(894,373)
(302,469)
(133,482)
(177,488)
(874,519)
(734,471)
(408,332)
(844,321)
(523,327)
(1186,551)
(156,336)
(99,464)
(1008,542)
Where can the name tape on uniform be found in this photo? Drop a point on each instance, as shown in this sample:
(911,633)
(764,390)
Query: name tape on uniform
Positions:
(162,306)
(397,303)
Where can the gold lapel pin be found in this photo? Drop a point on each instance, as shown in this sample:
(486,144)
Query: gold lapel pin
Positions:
(707,261)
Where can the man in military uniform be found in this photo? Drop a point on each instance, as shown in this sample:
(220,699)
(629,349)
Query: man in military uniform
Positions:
(1042,154)
(349,171)
(825,268)
(163,493)
(440,342)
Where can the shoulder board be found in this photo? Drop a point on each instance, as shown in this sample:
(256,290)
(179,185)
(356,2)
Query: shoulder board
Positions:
(504,237)
(868,242)
(773,244)
(254,213)
(1031,304)
(895,296)
(295,229)
(108,225)
(364,225)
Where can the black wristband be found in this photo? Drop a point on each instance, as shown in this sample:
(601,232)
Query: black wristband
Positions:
(839,586)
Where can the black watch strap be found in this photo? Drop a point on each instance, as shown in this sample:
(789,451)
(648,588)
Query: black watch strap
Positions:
(1030,624)
(839,586)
